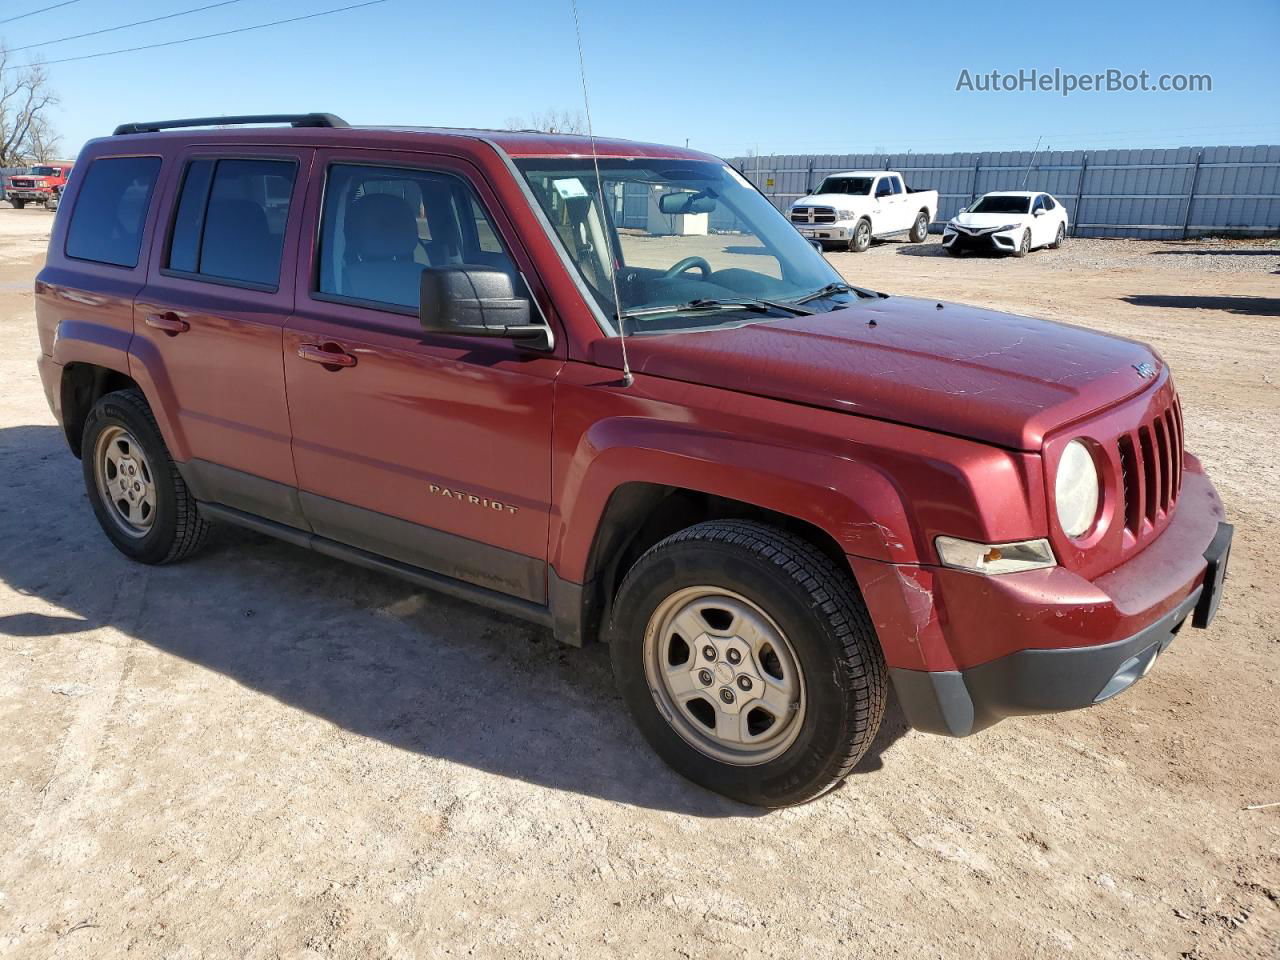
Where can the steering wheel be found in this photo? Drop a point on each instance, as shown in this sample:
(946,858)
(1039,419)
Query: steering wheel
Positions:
(688,263)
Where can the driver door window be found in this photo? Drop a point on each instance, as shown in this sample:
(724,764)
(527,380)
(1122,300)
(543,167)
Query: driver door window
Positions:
(382,226)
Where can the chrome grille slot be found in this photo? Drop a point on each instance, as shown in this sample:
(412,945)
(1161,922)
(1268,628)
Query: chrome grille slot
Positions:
(1129,478)
(1151,470)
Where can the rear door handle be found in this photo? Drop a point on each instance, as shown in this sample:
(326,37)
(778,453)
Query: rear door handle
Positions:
(327,355)
(170,323)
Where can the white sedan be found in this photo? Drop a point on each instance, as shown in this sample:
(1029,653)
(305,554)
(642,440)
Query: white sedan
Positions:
(1015,222)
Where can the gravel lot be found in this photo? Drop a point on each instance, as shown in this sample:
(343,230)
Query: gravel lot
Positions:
(264,753)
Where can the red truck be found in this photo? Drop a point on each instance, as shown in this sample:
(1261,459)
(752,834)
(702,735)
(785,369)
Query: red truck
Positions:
(41,184)
(622,397)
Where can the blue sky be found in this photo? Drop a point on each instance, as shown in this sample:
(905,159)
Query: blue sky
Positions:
(727,76)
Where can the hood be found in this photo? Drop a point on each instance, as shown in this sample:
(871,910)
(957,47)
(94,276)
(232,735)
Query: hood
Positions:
(994,377)
(828,199)
(990,219)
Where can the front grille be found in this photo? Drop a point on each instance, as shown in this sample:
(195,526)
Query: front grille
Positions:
(813,215)
(1151,470)
(23,183)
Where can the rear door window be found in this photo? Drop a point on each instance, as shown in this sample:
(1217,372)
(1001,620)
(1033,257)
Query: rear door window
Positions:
(115,195)
(230,220)
(897,184)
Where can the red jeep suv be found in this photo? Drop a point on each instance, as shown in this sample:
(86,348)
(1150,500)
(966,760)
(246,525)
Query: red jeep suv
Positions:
(605,386)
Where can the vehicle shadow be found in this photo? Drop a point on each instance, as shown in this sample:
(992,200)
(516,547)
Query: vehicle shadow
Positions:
(926,249)
(368,653)
(1245,305)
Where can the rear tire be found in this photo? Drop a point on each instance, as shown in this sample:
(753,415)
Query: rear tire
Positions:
(1060,238)
(139,497)
(789,629)
(861,238)
(920,229)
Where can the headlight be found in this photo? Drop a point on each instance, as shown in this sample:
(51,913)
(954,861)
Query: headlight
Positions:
(995,558)
(42,183)
(846,214)
(1076,491)
(1008,226)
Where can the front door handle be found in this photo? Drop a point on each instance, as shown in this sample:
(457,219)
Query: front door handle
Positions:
(170,323)
(328,355)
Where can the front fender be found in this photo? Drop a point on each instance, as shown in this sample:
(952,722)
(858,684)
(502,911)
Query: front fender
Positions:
(856,503)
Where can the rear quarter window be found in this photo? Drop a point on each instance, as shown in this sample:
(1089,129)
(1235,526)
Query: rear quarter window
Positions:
(111,209)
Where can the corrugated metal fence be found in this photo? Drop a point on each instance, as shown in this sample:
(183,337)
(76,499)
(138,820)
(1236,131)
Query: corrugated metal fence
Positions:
(6,172)
(1151,194)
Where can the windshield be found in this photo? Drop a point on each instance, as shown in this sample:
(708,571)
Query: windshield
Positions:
(45,172)
(994,204)
(685,236)
(858,186)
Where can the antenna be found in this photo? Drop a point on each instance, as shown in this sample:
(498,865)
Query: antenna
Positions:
(1034,154)
(627,378)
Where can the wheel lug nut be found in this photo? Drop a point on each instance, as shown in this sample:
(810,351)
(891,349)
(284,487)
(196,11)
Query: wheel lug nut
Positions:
(744,683)
(726,695)
(705,678)
(734,656)
(709,652)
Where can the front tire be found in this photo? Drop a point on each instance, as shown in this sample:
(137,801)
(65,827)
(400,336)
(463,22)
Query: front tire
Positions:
(920,229)
(18,204)
(141,501)
(749,662)
(1024,247)
(861,238)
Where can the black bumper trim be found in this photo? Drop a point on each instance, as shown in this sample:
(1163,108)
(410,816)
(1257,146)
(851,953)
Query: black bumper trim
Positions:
(960,702)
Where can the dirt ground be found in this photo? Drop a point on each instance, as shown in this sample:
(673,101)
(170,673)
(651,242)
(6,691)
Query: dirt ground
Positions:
(265,753)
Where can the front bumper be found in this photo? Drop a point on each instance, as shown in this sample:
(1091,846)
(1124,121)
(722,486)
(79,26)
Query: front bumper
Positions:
(965,650)
(826,231)
(30,196)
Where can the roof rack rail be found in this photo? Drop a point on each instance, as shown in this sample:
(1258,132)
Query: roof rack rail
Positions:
(293,119)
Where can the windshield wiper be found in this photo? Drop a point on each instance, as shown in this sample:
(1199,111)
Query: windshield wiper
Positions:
(728,303)
(833,288)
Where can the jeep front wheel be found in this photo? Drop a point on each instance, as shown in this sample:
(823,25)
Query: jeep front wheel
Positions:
(749,662)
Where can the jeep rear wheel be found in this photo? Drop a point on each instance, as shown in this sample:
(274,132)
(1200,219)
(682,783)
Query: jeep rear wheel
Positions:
(749,662)
(138,496)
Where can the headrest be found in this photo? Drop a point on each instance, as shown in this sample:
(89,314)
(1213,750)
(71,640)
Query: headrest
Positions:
(381,227)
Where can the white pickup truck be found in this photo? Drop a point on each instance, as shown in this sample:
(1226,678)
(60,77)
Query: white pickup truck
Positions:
(849,209)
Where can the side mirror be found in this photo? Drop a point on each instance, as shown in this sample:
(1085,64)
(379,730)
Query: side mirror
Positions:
(1039,212)
(678,203)
(475,301)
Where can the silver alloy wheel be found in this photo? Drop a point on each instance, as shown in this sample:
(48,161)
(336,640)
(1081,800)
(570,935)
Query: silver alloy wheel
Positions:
(724,675)
(125,481)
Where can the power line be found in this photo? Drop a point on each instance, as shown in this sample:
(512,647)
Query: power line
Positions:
(205,36)
(55,6)
(125,26)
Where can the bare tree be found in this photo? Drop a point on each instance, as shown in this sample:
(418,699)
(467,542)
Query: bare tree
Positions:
(551,121)
(25,101)
(44,143)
